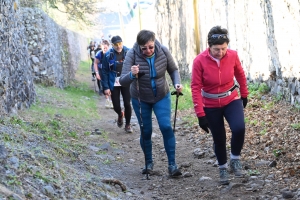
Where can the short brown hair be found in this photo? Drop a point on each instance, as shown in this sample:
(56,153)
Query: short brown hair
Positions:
(105,42)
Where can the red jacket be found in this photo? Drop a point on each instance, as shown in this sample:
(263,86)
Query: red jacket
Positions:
(214,79)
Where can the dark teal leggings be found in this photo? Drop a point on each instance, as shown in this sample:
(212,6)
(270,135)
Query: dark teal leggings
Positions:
(162,110)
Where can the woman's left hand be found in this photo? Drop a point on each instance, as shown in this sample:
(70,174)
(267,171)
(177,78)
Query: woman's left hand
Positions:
(178,87)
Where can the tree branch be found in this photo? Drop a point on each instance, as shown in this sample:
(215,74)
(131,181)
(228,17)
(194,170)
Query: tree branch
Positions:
(7,192)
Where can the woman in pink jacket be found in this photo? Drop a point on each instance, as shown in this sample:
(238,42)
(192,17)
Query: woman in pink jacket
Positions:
(215,97)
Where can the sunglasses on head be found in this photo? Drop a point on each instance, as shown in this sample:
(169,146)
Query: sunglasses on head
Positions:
(145,48)
(219,36)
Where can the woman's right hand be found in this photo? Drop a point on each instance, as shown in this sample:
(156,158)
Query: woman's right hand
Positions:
(135,69)
(107,92)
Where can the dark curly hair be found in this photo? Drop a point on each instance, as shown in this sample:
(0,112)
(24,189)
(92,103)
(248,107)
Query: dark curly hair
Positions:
(217,36)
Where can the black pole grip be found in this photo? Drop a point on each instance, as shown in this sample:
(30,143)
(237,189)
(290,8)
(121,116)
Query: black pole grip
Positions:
(176,93)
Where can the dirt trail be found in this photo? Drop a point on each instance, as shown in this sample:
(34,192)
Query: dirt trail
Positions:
(56,156)
(124,161)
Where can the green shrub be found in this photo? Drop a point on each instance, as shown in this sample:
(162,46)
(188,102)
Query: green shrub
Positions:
(258,89)
(184,102)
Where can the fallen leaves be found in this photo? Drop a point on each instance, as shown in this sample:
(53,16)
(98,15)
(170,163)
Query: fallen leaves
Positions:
(272,133)
(271,136)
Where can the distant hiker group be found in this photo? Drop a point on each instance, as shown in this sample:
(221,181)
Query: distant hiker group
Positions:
(139,75)
(97,57)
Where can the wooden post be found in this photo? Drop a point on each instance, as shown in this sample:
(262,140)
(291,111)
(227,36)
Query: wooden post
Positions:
(197,27)
(140,19)
(121,23)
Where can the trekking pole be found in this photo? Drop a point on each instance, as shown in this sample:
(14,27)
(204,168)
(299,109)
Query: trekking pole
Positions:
(177,96)
(141,124)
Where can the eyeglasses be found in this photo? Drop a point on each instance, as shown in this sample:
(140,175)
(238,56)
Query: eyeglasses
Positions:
(145,48)
(219,36)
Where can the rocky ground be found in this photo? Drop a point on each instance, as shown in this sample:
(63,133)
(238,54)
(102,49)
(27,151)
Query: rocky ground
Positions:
(104,162)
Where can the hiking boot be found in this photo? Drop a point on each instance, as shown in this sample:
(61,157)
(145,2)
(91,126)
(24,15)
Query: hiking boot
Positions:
(224,176)
(149,169)
(236,167)
(174,171)
(128,128)
(120,120)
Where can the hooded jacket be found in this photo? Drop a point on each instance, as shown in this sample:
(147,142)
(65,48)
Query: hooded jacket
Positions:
(214,79)
(163,63)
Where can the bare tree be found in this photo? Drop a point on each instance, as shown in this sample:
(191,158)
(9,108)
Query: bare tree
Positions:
(76,10)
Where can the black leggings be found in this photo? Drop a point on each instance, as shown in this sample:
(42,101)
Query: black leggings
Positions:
(115,97)
(234,115)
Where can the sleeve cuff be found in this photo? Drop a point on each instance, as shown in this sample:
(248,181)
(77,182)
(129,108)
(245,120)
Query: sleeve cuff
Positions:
(131,76)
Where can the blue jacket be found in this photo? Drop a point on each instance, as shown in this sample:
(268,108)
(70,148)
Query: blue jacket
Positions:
(99,55)
(109,68)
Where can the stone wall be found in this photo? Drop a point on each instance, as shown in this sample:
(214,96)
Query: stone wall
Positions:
(16,83)
(264,32)
(54,51)
(73,49)
(34,49)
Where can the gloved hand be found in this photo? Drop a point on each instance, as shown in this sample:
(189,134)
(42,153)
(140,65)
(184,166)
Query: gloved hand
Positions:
(245,101)
(203,123)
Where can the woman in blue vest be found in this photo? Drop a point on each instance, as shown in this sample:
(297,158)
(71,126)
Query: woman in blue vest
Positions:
(111,70)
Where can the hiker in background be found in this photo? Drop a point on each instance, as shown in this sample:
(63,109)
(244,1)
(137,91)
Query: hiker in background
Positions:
(89,49)
(100,56)
(98,48)
(92,56)
(145,68)
(215,97)
(90,45)
(112,67)
(98,67)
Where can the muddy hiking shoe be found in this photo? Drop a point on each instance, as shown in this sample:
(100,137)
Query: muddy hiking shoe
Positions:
(149,169)
(120,120)
(174,171)
(128,128)
(224,180)
(236,167)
